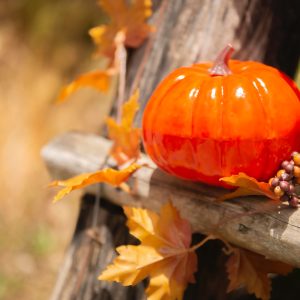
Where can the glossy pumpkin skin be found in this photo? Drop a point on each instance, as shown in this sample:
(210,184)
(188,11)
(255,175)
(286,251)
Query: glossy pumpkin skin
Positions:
(202,127)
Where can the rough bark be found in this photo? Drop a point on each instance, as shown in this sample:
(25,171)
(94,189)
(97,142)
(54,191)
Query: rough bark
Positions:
(195,30)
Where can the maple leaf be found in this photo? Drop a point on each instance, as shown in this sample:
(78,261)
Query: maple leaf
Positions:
(247,186)
(130,18)
(164,254)
(126,138)
(108,175)
(250,269)
(99,80)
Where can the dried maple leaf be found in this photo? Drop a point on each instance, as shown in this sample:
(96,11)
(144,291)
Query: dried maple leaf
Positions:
(250,269)
(126,138)
(99,80)
(130,18)
(164,254)
(247,186)
(110,176)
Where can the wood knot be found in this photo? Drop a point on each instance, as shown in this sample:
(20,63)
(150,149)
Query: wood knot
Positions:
(243,228)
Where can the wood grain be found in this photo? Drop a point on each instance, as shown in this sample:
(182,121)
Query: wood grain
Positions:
(250,222)
(189,31)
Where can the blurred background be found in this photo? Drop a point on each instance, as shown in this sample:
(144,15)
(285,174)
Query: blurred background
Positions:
(43,46)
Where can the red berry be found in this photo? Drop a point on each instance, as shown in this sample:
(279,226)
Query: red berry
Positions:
(294,202)
(289,168)
(284,185)
(284,164)
(274,181)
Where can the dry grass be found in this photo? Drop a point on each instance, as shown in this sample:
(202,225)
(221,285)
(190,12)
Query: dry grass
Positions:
(33,231)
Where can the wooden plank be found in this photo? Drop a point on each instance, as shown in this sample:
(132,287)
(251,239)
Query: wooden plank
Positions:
(250,222)
(91,249)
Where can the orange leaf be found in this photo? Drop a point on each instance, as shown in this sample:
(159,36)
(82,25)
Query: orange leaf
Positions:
(250,269)
(130,18)
(164,254)
(141,222)
(99,80)
(247,186)
(126,138)
(161,287)
(110,176)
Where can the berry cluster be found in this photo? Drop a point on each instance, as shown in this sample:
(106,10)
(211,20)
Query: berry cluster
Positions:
(283,184)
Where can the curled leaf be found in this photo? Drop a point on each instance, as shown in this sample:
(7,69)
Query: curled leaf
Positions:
(164,254)
(110,176)
(247,186)
(251,270)
(130,18)
(99,80)
(126,138)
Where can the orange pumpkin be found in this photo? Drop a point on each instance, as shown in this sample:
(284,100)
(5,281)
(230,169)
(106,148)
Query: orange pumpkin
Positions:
(210,120)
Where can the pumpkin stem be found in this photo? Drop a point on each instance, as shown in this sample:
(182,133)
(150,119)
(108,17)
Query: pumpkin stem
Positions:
(220,66)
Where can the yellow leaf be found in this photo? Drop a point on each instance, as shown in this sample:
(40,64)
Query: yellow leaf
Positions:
(251,270)
(132,265)
(110,176)
(141,222)
(130,18)
(99,80)
(247,186)
(158,285)
(164,254)
(126,138)
(129,110)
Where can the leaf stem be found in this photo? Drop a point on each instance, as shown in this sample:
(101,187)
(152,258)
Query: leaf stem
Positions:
(227,251)
(200,244)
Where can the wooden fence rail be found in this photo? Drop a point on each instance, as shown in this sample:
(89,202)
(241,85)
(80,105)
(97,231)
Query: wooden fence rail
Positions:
(250,222)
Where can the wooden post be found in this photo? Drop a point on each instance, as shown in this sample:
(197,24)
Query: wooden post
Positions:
(186,32)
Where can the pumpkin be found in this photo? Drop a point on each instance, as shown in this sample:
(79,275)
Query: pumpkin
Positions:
(212,120)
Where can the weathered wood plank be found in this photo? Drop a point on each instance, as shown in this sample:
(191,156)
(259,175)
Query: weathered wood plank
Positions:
(250,222)
(92,248)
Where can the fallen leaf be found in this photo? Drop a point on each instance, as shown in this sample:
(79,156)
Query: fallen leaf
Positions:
(251,270)
(162,286)
(130,18)
(99,80)
(164,254)
(110,176)
(247,186)
(126,138)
